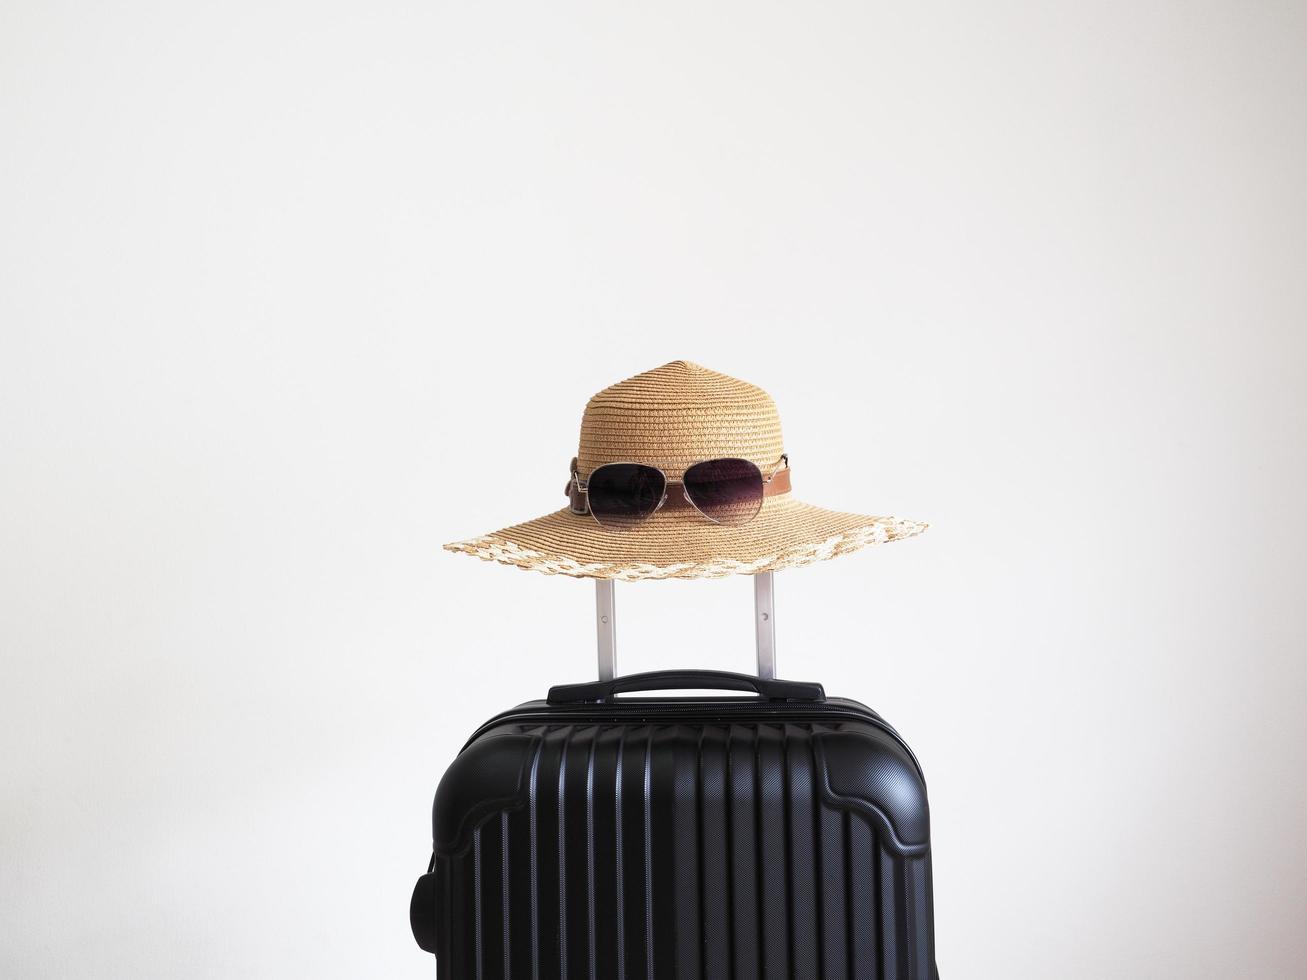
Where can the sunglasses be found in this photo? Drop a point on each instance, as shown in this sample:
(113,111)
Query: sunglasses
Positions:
(730,491)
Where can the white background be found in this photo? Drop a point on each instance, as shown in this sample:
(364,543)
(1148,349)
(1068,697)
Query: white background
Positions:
(291,293)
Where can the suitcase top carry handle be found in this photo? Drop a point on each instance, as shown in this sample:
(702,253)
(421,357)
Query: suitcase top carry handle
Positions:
(764,621)
(683,680)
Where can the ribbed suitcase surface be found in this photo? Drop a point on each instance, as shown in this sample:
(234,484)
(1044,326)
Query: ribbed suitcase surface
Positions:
(680,839)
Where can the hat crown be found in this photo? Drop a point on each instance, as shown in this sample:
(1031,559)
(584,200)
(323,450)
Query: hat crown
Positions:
(676,415)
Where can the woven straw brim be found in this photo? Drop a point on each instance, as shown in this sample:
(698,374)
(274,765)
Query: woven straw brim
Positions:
(678,543)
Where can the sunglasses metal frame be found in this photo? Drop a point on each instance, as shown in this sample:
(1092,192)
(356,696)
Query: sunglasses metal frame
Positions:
(578,489)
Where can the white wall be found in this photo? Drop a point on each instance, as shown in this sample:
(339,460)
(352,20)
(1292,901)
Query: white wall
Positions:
(281,281)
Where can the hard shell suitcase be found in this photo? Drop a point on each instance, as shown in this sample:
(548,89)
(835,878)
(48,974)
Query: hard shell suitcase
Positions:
(784,835)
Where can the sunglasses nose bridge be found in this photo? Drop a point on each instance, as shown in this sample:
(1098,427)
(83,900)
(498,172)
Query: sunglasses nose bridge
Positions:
(667,489)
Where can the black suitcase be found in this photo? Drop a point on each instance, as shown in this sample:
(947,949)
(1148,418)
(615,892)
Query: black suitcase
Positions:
(699,838)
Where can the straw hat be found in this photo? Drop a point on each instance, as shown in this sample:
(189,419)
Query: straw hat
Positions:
(672,417)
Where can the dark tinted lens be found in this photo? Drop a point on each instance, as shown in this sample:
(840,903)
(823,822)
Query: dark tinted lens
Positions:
(728,491)
(622,495)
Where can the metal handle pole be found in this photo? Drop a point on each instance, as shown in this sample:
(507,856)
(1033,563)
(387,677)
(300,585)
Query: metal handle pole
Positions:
(764,624)
(764,620)
(604,615)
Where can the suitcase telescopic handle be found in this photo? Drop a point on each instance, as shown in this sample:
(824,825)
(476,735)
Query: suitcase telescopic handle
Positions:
(764,617)
(682,680)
